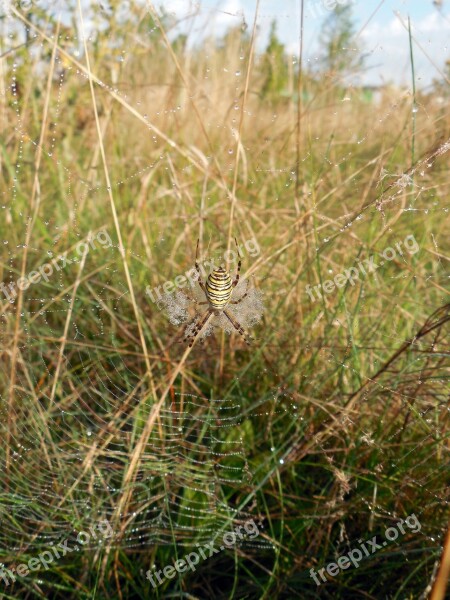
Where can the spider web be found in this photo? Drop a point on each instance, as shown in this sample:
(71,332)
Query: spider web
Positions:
(181,308)
(50,435)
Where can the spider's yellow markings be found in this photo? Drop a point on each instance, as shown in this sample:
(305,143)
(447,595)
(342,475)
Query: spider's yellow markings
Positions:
(218,288)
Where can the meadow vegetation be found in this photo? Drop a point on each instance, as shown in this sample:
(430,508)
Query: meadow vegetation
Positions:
(332,426)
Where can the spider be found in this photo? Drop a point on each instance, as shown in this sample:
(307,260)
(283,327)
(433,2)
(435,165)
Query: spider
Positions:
(218,290)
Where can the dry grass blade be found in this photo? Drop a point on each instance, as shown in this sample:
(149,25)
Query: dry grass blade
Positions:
(114,212)
(34,206)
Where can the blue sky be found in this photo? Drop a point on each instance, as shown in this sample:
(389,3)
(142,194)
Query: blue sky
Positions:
(384,37)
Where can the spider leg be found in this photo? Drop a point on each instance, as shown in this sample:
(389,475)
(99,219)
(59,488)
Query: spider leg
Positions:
(197,268)
(187,336)
(197,328)
(236,279)
(242,297)
(238,327)
(195,319)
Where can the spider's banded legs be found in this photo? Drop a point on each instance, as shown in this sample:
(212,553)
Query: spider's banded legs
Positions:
(197,328)
(197,268)
(238,327)
(242,297)
(193,325)
(236,279)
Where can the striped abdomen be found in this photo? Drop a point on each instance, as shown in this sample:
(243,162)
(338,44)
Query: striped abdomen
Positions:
(218,288)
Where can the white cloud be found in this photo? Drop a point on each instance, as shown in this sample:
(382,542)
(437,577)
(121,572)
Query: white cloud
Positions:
(434,23)
(388,47)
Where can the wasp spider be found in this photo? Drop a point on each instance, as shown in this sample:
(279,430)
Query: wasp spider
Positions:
(218,290)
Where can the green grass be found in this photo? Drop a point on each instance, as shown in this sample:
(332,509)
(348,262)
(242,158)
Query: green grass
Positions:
(331,428)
